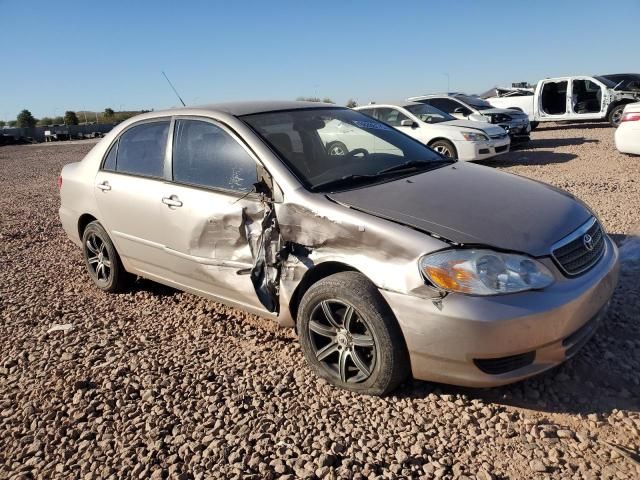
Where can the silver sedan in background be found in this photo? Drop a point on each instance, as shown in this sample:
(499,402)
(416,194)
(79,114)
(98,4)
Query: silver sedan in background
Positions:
(389,260)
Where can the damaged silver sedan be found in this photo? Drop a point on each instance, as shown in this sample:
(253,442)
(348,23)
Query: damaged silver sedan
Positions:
(389,260)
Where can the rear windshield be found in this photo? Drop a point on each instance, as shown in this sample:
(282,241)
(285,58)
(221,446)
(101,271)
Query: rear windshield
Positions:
(324,145)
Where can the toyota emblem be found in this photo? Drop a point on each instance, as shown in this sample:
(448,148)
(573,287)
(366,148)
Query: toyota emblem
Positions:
(588,241)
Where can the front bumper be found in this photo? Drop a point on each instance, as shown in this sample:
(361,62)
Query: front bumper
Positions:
(470,151)
(463,337)
(518,130)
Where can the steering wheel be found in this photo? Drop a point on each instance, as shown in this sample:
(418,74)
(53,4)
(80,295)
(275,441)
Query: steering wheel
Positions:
(357,151)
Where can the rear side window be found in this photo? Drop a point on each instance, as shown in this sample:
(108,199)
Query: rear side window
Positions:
(207,156)
(141,149)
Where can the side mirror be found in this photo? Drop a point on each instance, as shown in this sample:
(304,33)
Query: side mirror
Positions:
(408,123)
(461,111)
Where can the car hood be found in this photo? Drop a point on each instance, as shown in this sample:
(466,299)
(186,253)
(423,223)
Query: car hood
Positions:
(489,128)
(473,204)
(505,111)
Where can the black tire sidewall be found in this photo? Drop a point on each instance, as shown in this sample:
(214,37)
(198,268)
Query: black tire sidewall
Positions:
(447,144)
(117,271)
(341,145)
(611,114)
(356,290)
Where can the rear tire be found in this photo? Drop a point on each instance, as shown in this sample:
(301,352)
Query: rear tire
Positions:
(615,115)
(337,149)
(102,260)
(350,337)
(446,148)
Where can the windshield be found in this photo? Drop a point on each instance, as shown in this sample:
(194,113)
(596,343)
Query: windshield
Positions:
(475,102)
(323,146)
(429,114)
(608,82)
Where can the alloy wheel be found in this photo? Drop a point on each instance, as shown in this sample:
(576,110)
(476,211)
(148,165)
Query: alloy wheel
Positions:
(443,150)
(342,341)
(98,258)
(616,116)
(337,151)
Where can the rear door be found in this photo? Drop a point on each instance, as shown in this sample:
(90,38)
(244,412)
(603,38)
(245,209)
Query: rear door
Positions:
(587,98)
(212,223)
(128,191)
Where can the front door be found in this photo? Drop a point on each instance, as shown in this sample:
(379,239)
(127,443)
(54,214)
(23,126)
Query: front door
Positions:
(554,99)
(212,220)
(128,192)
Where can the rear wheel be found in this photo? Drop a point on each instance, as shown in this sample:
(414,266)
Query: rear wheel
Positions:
(350,337)
(615,115)
(444,147)
(101,259)
(337,149)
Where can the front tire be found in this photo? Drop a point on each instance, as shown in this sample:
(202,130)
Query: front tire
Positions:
(101,259)
(350,337)
(615,115)
(445,148)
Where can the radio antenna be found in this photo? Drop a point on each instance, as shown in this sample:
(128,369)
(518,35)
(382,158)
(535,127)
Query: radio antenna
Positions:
(174,89)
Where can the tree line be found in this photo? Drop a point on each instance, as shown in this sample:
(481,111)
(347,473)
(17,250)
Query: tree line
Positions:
(26,120)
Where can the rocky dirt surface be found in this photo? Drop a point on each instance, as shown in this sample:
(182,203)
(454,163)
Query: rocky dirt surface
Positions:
(155,383)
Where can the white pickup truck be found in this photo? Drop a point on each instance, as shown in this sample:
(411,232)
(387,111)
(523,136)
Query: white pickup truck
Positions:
(567,98)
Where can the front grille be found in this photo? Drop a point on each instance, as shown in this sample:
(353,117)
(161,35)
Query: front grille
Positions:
(502,148)
(573,254)
(496,366)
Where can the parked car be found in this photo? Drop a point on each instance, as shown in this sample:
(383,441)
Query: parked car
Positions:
(569,98)
(453,138)
(388,264)
(462,106)
(625,81)
(627,135)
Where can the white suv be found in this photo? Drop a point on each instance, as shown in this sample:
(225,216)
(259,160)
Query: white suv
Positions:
(461,139)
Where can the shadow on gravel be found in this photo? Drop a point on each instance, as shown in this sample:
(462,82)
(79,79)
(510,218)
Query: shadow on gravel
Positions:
(599,379)
(558,142)
(527,157)
(154,288)
(572,125)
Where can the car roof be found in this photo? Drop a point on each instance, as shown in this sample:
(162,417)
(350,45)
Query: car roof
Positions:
(238,109)
(403,104)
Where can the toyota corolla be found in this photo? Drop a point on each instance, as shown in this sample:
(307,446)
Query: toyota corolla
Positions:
(389,260)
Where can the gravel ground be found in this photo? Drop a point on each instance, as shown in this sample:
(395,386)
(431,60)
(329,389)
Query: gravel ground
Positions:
(162,384)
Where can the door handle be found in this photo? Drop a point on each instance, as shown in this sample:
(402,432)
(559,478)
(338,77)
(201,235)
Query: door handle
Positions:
(104,186)
(172,201)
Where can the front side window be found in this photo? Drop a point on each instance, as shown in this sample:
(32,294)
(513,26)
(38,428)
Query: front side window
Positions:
(205,155)
(391,116)
(141,149)
(373,151)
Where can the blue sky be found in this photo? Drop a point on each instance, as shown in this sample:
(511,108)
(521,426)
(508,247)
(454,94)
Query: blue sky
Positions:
(92,55)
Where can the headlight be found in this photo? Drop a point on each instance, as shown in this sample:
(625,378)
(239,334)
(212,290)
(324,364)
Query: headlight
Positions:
(484,272)
(474,137)
(500,117)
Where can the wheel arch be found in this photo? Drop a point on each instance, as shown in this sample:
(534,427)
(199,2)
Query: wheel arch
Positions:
(84,220)
(445,139)
(311,277)
(617,103)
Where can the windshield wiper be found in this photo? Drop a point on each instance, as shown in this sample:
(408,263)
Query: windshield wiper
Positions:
(342,181)
(413,165)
